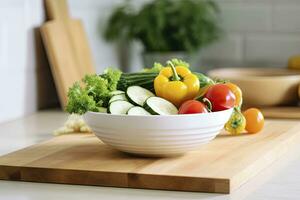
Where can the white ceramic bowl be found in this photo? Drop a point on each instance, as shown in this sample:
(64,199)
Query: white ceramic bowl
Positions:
(157,135)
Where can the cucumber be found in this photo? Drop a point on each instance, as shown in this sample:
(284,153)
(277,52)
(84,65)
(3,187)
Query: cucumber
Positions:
(102,110)
(118,97)
(137,110)
(119,107)
(130,79)
(117,92)
(138,95)
(160,106)
(146,80)
(204,80)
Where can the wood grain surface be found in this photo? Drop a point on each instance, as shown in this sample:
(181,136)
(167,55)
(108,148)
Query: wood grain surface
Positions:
(282,112)
(220,166)
(67,47)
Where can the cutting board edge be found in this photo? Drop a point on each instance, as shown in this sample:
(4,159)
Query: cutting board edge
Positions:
(120,179)
(268,159)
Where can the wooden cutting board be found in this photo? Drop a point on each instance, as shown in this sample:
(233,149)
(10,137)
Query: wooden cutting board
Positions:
(66,46)
(220,166)
(281,112)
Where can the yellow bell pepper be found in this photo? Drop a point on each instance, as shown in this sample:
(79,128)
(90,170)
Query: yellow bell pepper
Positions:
(176,84)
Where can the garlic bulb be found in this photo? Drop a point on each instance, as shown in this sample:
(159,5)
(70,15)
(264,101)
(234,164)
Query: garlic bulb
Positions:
(74,124)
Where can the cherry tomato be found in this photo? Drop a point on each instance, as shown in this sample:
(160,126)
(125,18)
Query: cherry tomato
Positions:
(237,93)
(220,97)
(191,107)
(254,120)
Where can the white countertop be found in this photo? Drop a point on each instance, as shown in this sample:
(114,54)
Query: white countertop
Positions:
(279,181)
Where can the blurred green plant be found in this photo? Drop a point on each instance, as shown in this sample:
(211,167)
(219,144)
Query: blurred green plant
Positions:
(166,25)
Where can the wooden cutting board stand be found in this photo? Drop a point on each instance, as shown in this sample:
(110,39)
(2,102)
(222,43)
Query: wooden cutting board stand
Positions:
(66,46)
(220,166)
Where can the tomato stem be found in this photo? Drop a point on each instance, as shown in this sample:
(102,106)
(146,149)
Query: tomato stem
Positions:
(175,75)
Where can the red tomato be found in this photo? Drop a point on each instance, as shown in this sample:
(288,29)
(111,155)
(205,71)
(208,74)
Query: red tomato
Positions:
(191,107)
(220,97)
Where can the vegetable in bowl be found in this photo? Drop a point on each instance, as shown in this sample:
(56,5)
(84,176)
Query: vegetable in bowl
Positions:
(95,91)
(161,90)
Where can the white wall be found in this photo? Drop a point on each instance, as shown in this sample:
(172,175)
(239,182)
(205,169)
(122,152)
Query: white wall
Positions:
(94,13)
(259,33)
(17,62)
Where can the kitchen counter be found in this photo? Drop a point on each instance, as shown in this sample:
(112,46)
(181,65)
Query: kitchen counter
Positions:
(279,181)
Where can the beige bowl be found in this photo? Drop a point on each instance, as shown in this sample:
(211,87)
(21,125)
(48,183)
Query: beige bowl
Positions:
(263,87)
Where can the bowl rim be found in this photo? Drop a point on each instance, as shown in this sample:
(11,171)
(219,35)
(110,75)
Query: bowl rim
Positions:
(256,77)
(159,116)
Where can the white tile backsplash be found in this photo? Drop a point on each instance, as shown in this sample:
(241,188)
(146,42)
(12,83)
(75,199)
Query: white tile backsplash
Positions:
(244,17)
(274,48)
(286,18)
(230,48)
(241,19)
(270,30)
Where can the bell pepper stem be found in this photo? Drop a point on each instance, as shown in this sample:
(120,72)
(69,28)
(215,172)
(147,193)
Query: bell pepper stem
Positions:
(175,75)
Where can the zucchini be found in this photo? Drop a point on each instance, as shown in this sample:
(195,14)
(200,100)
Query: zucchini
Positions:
(119,107)
(117,92)
(118,97)
(137,110)
(160,106)
(138,95)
